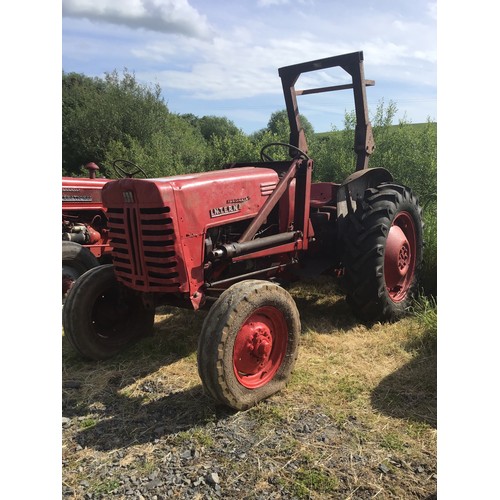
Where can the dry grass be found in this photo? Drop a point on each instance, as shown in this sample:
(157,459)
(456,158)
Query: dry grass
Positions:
(357,420)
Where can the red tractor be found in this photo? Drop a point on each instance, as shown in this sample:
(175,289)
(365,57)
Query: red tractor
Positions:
(224,240)
(85,234)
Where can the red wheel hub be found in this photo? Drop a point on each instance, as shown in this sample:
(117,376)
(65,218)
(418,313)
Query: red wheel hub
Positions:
(69,276)
(260,347)
(67,283)
(399,258)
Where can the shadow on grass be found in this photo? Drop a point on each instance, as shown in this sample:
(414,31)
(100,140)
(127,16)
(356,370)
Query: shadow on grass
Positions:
(322,306)
(173,338)
(325,317)
(134,422)
(411,391)
(97,391)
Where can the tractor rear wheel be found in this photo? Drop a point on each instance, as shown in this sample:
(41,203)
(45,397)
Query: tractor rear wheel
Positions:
(383,241)
(249,343)
(75,261)
(101,317)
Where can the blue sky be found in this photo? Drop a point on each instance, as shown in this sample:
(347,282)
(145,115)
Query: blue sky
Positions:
(222,58)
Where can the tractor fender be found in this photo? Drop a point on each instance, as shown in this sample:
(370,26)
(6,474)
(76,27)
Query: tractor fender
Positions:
(351,191)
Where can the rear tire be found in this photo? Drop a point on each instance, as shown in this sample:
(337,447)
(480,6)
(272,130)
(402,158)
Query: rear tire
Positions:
(249,343)
(75,261)
(383,241)
(101,317)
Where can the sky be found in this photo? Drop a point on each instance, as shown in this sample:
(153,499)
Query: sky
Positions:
(221,57)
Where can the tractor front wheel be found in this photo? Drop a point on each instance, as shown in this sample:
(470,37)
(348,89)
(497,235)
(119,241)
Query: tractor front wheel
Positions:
(383,252)
(249,343)
(101,317)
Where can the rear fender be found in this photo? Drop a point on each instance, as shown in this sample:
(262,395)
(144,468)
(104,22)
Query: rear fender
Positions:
(351,191)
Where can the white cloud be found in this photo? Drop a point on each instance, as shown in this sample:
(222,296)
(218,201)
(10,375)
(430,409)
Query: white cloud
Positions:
(165,16)
(247,46)
(267,3)
(231,67)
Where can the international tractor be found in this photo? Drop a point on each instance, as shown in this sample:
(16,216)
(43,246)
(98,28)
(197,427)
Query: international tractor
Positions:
(85,235)
(226,240)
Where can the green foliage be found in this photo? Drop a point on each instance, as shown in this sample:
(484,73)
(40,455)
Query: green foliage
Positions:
(177,150)
(429,268)
(279,128)
(87,423)
(425,310)
(392,441)
(231,148)
(308,480)
(348,388)
(217,126)
(333,155)
(105,487)
(97,112)
(408,152)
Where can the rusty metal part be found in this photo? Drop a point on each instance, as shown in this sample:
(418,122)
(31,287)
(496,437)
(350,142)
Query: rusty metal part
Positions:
(270,202)
(352,63)
(230,250)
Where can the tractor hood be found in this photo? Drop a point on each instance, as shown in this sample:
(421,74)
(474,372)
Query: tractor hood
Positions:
(199,200)
(158,226)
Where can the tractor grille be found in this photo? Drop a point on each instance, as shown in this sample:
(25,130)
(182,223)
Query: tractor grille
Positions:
(143,242)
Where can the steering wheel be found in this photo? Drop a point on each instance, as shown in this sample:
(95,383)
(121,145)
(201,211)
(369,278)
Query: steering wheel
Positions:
(122,173)
(266,157)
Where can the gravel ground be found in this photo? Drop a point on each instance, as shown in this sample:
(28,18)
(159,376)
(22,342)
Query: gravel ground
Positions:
(183,446)
(233,456)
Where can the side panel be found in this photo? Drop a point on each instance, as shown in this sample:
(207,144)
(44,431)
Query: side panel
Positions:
(231,195)
(211,201)
(82,193)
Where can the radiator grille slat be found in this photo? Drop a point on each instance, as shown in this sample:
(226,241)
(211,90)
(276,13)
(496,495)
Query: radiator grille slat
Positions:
(143,242)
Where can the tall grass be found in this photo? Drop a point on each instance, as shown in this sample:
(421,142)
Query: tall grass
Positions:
(425,311)
(428,279)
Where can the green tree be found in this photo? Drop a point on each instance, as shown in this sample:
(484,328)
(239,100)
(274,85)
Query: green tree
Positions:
(333,156)
(97,112)
(232,148)
(408,151)
(279,127)
(179,149)
(219,126)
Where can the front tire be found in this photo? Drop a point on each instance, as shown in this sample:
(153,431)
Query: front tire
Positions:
(76,260)
(249,343)
(101,317)
(383,242)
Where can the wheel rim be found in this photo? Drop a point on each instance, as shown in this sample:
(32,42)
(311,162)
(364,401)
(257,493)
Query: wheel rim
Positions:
(260,347)
(400,257)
